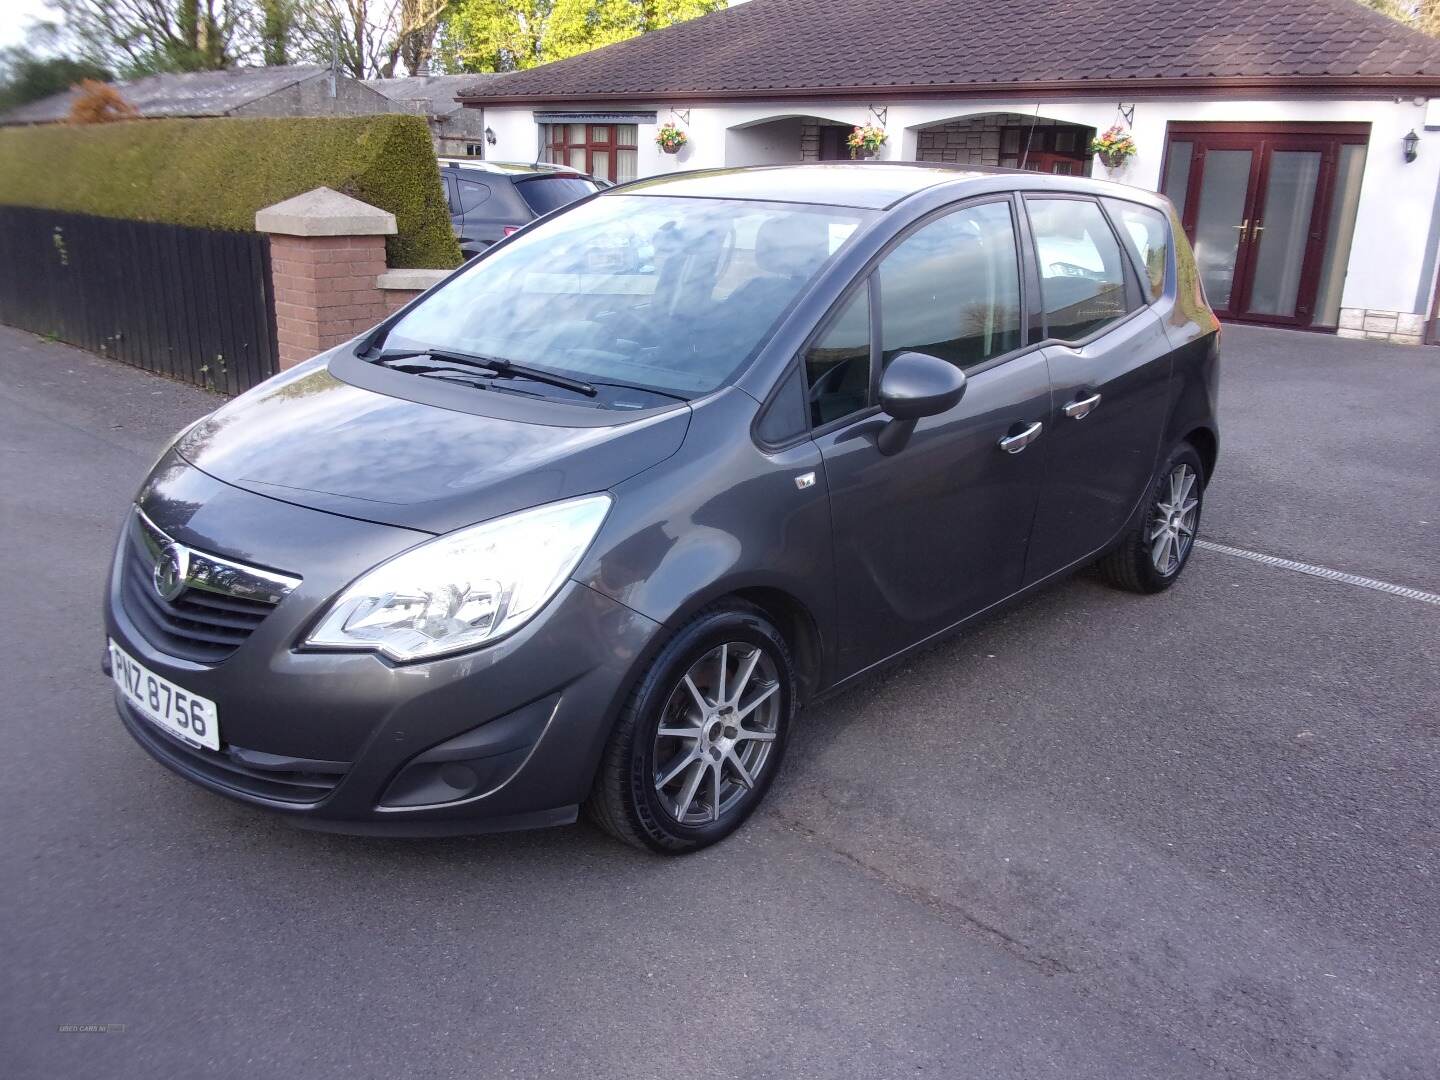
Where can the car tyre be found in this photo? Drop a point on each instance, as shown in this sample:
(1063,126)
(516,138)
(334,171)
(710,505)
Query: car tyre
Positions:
(1157,547)
(694,751)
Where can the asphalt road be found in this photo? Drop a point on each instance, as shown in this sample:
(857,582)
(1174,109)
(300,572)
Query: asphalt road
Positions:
(1103,836)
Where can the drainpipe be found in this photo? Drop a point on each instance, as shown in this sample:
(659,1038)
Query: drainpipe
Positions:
(1427,289)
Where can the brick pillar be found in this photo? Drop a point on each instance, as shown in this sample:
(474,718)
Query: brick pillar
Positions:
(327,252)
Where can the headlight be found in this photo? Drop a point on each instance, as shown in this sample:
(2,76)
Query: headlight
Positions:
(466,588)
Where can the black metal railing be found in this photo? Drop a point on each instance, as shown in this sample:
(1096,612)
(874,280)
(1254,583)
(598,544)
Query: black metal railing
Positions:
(194,304)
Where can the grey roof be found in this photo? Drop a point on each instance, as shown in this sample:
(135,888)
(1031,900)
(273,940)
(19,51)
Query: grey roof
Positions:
(193,93)
(809,48)
(433,95)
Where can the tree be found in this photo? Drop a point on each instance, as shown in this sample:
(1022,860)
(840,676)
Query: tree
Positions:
(415,36)
(28,76)
(141,37)
(509,35)
(494,35)
(277,30)
(369,37)
(1421,14)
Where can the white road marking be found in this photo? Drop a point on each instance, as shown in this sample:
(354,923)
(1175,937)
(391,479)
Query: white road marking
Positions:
(1322,572)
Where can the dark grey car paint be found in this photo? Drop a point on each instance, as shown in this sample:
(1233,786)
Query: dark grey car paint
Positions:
(478,226)
(313,439)
(335,467)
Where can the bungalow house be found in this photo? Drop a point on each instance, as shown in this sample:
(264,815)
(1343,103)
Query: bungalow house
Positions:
(1298,138)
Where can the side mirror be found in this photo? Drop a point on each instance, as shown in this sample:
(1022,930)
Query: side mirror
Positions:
(915,385)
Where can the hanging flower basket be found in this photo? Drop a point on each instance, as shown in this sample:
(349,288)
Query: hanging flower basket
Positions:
(1114,147)
(865,141)
(670,138)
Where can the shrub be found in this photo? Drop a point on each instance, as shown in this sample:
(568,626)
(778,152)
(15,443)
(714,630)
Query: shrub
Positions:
(217,173)
(100,103)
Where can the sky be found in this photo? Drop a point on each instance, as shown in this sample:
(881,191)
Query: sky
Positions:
(15,16)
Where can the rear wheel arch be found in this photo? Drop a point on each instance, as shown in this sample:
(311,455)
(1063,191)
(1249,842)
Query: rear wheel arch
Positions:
(1207,445)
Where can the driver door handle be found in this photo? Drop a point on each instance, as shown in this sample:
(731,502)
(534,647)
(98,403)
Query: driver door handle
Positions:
(1081,407)
(1013,444)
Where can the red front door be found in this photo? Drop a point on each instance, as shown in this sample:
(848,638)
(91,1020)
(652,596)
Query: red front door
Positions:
(1256,202)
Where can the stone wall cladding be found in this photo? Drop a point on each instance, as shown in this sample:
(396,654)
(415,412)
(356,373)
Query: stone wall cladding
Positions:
(1372,324)
(325,291)
(810,142)
(974,140)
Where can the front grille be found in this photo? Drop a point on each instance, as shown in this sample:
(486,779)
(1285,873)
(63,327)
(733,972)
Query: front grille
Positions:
(296,780)
(219,606)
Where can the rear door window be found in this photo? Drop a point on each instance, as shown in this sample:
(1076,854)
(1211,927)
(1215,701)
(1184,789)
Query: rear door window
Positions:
(546,193)
(1082,271)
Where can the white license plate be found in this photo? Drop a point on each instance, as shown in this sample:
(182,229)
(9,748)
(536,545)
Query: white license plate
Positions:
(190,716)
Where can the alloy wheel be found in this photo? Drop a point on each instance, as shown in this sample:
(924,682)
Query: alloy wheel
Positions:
(1172,524)
(717,732)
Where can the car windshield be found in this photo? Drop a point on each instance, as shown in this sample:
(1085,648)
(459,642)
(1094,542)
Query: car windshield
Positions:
(546,193)
(667,293)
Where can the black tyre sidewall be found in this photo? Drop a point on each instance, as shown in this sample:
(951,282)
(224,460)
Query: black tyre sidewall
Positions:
(1154,581)
(654,823)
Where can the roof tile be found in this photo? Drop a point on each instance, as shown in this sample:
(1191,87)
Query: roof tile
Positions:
(839,45)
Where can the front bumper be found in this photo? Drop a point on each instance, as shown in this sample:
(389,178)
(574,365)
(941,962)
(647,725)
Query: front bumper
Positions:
(507,736)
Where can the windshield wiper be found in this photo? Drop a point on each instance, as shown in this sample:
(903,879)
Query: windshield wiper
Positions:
(641,389)
(493,364)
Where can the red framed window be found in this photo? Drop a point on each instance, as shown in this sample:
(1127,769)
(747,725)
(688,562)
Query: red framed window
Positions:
(608,151)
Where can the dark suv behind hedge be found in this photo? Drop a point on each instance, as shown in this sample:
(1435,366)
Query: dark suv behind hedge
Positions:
(489,200)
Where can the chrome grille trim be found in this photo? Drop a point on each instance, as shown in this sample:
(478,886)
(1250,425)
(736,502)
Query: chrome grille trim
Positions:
(205,607)
(212,574)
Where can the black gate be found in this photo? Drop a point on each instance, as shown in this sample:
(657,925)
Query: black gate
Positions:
(194,304)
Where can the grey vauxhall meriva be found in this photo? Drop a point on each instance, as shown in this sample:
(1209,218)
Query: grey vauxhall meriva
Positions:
(587,523)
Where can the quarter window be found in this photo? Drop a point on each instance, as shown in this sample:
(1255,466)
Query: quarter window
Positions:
(1082,276)
(952,288)
(472,194)
(837,365)
(1146,233)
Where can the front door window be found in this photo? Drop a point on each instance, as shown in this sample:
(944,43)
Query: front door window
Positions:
(1269,209)
(1284,231)
(1220,221)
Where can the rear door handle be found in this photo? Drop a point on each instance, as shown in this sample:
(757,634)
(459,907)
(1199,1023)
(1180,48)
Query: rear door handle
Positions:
(1013,444)
(1081,407)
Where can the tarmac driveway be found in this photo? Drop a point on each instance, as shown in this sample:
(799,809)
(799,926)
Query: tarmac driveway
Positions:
(1101,836)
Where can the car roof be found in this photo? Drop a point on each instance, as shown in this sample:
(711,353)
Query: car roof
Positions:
(874,185)
(510,168)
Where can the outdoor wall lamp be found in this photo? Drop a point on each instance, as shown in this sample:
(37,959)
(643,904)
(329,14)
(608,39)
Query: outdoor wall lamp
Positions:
(1411,143)
(490,135)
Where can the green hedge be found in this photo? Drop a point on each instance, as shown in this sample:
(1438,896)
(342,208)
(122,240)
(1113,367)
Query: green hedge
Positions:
(217,173)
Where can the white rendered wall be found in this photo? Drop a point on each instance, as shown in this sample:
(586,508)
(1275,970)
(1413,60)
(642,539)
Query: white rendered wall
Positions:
(1392,229)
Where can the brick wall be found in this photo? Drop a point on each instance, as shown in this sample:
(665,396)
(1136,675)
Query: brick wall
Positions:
(325,291)
(395,299)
